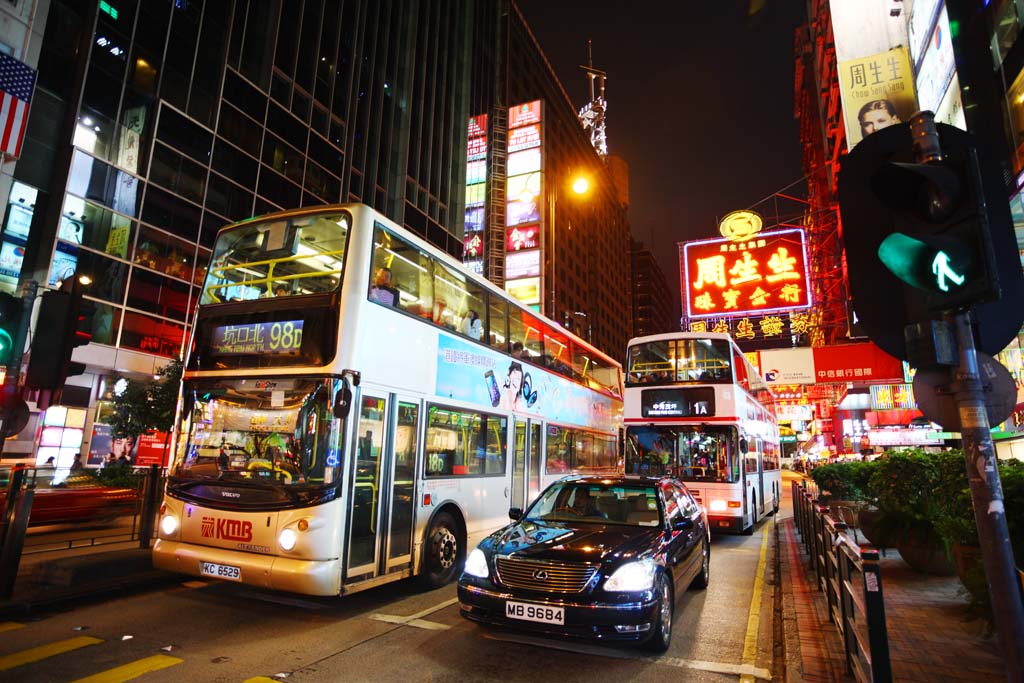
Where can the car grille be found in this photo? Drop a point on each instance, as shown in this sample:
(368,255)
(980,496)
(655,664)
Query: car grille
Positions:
(549,577)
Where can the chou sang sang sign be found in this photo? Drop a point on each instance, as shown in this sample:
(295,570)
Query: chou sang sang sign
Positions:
(765,273)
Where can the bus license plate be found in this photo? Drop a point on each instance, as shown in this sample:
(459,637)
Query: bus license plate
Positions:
(542,614)
(220,571)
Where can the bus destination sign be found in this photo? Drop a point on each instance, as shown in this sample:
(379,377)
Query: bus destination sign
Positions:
(279,337)
(696,402)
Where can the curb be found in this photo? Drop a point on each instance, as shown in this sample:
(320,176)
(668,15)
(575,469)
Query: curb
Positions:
(50,599)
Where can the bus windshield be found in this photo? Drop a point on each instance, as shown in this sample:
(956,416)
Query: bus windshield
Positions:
(268,432)
(275,258)
(690,453)
(670,361)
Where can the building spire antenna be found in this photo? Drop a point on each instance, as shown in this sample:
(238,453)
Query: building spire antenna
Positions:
(592,115)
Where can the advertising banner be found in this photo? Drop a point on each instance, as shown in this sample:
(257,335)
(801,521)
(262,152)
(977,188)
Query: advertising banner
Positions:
(787,366)
(526,290)
(524,114)
(877,92)
(856,362)
(892,397)
(153,449)
(523,199)
(523,237)
(470,372)
(520,264)
(476,192)
(867,27)
(937,66)
(765,274)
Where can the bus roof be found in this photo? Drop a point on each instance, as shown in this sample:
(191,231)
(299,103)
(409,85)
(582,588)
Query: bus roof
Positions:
(680,335)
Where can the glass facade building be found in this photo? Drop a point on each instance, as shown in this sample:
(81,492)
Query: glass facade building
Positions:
(156,122)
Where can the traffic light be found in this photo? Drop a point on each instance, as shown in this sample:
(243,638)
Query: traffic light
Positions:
(56,337)
(10,317)
(922,239)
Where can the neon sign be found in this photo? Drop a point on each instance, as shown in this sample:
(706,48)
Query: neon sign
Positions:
(764,274)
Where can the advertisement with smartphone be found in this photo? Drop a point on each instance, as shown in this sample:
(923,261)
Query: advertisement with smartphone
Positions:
(475,373)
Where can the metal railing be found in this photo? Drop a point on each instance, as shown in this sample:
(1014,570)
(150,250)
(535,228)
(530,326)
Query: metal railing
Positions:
(22,495)
(851,579)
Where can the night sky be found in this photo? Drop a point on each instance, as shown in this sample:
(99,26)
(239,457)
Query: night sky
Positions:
(700,103)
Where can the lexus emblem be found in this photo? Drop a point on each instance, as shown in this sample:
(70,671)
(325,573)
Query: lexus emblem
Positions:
(540,575)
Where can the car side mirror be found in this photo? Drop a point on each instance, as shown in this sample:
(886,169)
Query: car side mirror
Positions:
(744,446)
(683,524)
(515,514)
(342,401)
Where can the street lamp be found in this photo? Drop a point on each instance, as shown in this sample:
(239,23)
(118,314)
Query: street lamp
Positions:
(580,186)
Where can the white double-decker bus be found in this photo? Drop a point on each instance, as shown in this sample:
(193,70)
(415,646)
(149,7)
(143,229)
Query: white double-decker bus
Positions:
(357,408)
(696,409)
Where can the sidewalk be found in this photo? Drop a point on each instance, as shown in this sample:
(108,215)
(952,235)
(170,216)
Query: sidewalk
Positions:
(931,635)
(51,580)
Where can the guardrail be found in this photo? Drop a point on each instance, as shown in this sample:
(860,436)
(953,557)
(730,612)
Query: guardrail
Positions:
(23,496)
(851,579)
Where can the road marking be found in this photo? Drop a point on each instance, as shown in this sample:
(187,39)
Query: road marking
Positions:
(605,651)
(415,621)
(43,651)
(10,626)
(262,679)
(132,670)
(754,617)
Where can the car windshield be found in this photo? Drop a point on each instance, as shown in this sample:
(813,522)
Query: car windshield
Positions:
(261,431)
(600,503)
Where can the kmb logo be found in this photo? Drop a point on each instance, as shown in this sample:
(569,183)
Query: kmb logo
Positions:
(226,529)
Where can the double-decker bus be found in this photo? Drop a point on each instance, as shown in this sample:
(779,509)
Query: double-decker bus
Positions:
(357,408)
(696,409)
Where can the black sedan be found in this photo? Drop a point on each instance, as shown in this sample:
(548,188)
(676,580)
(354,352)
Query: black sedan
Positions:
(600,558)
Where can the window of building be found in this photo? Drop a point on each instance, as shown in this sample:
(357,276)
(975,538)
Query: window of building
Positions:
(163,253)
(93,226)
(157,294)
(151,335)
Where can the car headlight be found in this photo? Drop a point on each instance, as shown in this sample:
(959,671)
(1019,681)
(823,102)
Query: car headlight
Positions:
(476,564)
(634,576)
(168,525)
(287,539)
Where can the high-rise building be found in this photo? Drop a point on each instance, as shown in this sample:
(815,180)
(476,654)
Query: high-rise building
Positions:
(156,122)
(575,267)
(653,311)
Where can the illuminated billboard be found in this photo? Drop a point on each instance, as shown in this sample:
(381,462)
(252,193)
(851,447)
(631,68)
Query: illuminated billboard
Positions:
(476,193)
(524,114)
(763,274)
(526,290)
(520,264)
(877,92)
(522,237)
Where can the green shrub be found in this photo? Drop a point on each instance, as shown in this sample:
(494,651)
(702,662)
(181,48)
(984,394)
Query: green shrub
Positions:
(844,480)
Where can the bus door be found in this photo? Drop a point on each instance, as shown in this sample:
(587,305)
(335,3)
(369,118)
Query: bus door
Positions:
(382,490)
(526,463)
(760,479)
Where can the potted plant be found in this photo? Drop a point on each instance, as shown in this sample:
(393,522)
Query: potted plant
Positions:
(904,486)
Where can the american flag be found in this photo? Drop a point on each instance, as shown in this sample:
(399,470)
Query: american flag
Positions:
(17,82)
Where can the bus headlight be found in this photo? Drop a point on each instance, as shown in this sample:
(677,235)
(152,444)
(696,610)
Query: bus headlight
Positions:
(168,525)
(476,564)
(717,506)
(287,539)
(634,576)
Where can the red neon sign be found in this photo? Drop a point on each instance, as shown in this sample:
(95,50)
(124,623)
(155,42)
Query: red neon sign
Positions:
(765,273)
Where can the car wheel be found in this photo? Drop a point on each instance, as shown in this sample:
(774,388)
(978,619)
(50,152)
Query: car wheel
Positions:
(443,551)
(700,582)
(662,636)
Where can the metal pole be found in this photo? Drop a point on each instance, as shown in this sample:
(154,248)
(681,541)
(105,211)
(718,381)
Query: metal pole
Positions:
(149,506)
(13,375)
(989,508)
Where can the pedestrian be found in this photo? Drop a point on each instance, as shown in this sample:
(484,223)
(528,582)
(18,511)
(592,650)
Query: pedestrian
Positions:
(77,464)
(49,462)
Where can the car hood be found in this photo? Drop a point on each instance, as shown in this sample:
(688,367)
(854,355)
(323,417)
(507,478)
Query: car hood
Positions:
(561,542)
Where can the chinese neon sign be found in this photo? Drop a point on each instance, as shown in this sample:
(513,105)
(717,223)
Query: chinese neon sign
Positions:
(764,274)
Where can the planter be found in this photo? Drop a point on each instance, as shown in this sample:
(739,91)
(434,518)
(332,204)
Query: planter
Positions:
(872,525)
(925,553)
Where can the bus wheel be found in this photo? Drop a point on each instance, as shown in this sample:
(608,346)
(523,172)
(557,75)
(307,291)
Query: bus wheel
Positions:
(442,551)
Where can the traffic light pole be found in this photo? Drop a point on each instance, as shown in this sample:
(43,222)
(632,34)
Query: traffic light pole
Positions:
(10,386)
(987,496)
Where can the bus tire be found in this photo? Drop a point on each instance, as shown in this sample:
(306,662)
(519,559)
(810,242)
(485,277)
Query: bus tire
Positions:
(442,551)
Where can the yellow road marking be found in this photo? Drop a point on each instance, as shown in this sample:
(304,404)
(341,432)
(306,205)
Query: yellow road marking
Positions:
(43,651)
(132,670)
(754,616)
(9,626)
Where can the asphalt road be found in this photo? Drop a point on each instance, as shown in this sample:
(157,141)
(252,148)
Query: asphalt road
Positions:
(211,632)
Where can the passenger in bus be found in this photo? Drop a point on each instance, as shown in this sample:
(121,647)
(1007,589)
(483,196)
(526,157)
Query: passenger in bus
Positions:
(382,292)
(472,326)
(517,349)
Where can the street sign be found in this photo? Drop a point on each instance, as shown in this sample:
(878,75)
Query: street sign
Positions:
(938,402)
